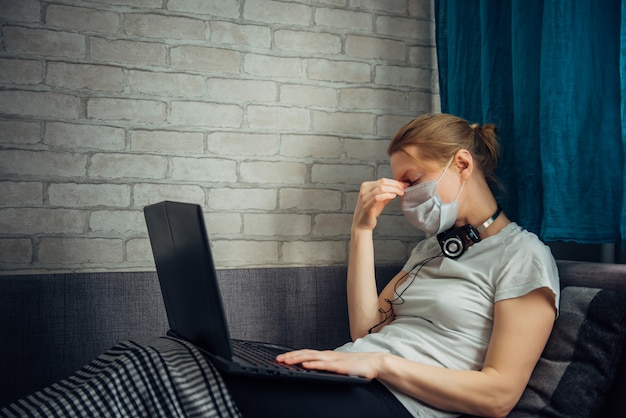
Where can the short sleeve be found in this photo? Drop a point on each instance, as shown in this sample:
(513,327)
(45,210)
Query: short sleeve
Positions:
(529,266)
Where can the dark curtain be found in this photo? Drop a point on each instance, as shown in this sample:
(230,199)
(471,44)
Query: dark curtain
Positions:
(551,75)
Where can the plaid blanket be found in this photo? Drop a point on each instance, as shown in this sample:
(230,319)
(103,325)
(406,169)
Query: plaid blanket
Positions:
(162,377)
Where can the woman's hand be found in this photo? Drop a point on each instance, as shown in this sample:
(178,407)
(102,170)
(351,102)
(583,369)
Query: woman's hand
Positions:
(356,364)
(373,197)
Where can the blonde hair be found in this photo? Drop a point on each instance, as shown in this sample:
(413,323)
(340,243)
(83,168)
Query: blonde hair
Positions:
(439,136)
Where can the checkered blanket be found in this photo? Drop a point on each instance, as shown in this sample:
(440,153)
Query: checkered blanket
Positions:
(161,377)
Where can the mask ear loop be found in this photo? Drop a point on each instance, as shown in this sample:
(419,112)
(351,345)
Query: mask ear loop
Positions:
(445,169)
(388,312)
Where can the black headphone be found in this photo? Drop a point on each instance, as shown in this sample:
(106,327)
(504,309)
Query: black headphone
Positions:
(455,241)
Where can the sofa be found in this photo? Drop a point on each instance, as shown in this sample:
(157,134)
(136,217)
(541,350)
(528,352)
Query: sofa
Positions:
(53,324)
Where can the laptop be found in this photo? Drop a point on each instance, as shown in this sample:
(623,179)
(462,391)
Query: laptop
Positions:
(193,301)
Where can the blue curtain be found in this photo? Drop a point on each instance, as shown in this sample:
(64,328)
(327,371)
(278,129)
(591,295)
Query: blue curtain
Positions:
(551,75)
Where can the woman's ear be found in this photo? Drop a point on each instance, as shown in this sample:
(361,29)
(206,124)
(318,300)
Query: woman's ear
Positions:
(464,163)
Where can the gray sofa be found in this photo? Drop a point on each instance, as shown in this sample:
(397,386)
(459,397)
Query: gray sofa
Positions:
(53,324)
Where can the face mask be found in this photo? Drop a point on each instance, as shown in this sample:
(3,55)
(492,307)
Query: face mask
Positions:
(423,207)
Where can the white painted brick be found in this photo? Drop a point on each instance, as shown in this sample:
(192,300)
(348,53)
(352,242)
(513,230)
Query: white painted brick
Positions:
(278,118)
(422,8)
(82,19)
(242,199)
(42,163)
(206,114)
(307,42)
(366,149)
(44,42)
(275,67)
(308,95)
(231,143)
(273,224)
(138,250)
(80,250)
(127,52)
(307,253)
(72,136)
(89,195)
(436,104)
(235,34)
(147,194)
(344,19)
(375,48)
(315,146)
(222,223)
(350,72)
(273,11)
(42,221)
(351,199)
(214,170)
(384,170)
(245,253)
(332,224)
(423,56)
(221,8)
(273,172)
(117,221)
(167,142)
(392,6)
(238,91)
(309,199)
(21,193)
(21,11)
(159,26)
(39,104)
(115,166)
(404,76)
(368,98)
(337,3)
(341,174)
(435,81)
(233,81)
(408,28)
(396,225)
(205,60)
(387,126)
(19,132)
(341,122)
(147,4)
(390,251)
(421,102)
(148,111)
(16,251)
(79,76)
(166,84)
(17,71)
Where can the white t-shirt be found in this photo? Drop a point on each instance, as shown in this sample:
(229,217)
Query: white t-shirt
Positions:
(444,315)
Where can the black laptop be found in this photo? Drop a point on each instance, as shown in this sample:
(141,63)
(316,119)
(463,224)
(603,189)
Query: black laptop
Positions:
(193,301)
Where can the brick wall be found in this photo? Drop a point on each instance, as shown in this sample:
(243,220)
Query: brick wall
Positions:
(268,113)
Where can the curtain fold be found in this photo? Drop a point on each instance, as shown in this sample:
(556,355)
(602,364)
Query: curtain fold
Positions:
(551,75)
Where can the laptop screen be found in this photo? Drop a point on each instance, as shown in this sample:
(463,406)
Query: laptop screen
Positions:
(187,275)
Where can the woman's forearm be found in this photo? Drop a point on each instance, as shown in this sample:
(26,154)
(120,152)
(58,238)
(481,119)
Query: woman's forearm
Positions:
(363,308)
(481,393)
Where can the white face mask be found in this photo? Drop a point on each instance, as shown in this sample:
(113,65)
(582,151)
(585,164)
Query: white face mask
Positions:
(423,207)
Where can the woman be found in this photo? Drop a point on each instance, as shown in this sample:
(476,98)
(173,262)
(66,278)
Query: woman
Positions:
(447,335)
(457,331)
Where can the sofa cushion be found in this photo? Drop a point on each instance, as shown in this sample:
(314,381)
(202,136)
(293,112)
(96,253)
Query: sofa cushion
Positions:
(582,358)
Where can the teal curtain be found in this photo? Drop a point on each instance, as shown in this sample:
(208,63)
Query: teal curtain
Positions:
(551,75)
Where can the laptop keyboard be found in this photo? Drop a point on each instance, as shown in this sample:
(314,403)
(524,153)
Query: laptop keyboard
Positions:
(260,355)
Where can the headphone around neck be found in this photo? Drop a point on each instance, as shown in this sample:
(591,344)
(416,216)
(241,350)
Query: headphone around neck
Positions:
(455,241)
